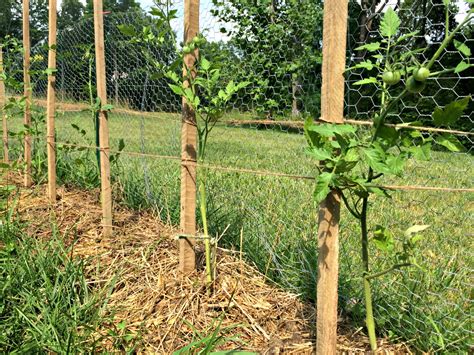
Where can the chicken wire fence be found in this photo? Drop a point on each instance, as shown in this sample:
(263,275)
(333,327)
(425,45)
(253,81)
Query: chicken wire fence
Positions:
(259,175)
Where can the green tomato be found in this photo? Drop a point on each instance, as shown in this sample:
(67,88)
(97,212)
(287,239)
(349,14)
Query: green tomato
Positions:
(391,77)
(196,39)
(421,74)
(187,49)
(414,86)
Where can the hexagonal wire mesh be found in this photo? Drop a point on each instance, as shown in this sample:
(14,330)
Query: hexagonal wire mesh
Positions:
(256,160)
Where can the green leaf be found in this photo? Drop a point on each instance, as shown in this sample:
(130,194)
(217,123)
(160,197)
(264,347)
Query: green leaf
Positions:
(389,134)
(406,36)
(205,64)
(322,189)
(450,142)
(127,30)
(383,239)
(364,65)
(375,158)
(422,152)
(416,229)
(366,81)
(451,112)
(122,325)
(371,47)
(446,2)
(178,90)
(462,48)
(390,23)
(107,107)
(395,163)
(320,153)
(461,66)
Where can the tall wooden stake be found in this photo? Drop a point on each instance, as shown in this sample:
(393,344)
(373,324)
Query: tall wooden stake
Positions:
(106,192)
(332,110)
(50,109)
(187,258)
(4,114)
(28,181)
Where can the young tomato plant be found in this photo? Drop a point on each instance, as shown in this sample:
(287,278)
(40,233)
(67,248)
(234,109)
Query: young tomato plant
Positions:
(202,86)
(204,92)
(353,160)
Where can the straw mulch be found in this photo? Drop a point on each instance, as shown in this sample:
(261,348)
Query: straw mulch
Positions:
(157,303)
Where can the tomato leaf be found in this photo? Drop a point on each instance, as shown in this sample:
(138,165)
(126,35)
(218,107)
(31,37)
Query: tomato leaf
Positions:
(370,80)
(127,30)
(450,142)
(461,66)
(390,23)
(322,189)
(450,113)
(371,47)
(383,239)
(462,48)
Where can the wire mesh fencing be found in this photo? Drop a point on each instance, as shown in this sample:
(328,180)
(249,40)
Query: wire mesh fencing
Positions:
(260,179)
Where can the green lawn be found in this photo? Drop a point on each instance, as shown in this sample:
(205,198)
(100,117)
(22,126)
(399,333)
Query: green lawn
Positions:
(431,308)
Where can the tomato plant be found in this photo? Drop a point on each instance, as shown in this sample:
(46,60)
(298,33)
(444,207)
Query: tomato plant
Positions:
(353,160)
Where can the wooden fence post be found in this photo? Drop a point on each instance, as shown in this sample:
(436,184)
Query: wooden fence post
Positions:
(28,181)
(332,110)
(3,113)
(51,111)
(187,258)
(106,192)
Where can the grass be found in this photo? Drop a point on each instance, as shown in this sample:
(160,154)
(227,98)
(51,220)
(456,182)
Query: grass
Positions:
(46,304)
(431,309)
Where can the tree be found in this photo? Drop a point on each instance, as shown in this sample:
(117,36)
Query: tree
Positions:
(10,18)
(279,44)
(71,12)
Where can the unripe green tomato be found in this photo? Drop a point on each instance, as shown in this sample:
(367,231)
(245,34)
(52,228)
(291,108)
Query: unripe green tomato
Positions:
(421,74)
(414,86)
(196,39)
(391,77)
(187,49)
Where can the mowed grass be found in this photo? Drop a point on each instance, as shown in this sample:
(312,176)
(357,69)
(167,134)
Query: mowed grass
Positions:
(430,307)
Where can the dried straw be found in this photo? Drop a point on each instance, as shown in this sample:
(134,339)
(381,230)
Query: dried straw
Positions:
(155,300)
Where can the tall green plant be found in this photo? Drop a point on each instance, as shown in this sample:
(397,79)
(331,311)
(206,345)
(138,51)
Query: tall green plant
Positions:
(201,87)
(353,160)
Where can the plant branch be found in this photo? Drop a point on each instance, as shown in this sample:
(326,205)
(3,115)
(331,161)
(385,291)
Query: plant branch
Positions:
(353,211)
(386,271)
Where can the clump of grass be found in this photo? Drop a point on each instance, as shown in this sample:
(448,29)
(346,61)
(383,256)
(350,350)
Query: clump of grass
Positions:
(46,304)
(436,311)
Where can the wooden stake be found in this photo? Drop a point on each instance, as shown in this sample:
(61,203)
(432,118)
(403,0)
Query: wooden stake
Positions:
(3,113)
(187,258)
(50,106)
(332,110)
(106,192)
(28,181)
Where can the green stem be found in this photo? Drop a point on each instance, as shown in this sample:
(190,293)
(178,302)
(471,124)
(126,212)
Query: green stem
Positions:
(207,242)
(446,41)
(386,271)
(369,321)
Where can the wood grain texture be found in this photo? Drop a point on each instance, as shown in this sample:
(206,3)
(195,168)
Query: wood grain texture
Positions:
(187,257)
(51,100)
(106,191)
(28,181)
(332,110)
